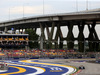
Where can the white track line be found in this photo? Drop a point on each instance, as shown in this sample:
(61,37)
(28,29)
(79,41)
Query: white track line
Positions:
(70,69)
(39,70)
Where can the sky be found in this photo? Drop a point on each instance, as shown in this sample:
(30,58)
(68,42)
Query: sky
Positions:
(15,9)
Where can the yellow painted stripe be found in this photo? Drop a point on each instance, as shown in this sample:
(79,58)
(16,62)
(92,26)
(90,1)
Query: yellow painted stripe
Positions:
(26,61)
(28,66)
(23,65)
(21,70)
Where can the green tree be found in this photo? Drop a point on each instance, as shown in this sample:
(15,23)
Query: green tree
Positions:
(33,37)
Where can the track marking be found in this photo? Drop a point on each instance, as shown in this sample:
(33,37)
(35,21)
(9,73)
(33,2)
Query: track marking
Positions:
(39,69)
(71,69)
(21,70)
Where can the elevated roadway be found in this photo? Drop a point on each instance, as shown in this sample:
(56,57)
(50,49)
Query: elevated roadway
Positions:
(80,19)
(25,22)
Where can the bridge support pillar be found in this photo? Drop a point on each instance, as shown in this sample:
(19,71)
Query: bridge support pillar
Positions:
(41,42)
(81,39)
(56,40)
(50,34)
(70,36)
(93,38)
(60,35)
(42,38)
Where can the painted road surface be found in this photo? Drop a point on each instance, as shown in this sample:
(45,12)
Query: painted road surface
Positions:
(35,67)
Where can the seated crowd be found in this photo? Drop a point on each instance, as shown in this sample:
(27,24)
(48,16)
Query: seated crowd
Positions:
(35,53)
(44,53)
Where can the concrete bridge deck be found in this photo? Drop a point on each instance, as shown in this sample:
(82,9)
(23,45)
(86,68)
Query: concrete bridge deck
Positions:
(87,16)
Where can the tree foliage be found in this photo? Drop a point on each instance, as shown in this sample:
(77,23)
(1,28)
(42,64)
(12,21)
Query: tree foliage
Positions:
(33,37)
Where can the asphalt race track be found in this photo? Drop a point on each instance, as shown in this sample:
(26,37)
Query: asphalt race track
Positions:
(36,67)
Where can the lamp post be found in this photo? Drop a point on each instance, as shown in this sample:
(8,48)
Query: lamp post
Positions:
(9,13)
(77,5)
(43,7)
(87,5)
(23,10)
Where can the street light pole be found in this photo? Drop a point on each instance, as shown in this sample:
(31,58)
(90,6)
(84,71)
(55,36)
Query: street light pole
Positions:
(87,5)
(9,13)
(23,10)
(43,7)
(77,5)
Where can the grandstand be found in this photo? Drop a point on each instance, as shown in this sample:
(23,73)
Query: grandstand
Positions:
(8,41)
(16,46)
